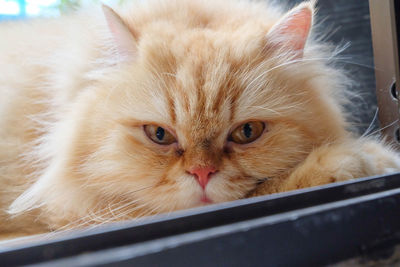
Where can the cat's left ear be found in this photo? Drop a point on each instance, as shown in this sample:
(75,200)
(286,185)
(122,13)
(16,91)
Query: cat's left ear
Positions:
(124,38)
(292,30)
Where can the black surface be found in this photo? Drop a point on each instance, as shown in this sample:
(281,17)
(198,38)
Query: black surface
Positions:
(320,235)
(351,22)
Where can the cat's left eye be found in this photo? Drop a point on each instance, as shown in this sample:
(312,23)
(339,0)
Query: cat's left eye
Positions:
(247,132)
(159,135)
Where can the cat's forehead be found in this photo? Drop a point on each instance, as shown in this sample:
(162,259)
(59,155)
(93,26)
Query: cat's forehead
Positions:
(205,75)
(209,81)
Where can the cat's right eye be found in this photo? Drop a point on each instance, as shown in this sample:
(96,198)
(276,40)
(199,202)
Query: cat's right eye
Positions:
(247,132)
(159,135)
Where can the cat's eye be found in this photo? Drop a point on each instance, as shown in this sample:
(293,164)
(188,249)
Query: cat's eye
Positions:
(159,135)
(247,132)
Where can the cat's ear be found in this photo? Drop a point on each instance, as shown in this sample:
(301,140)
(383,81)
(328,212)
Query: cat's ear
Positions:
(292,30)
(124,38)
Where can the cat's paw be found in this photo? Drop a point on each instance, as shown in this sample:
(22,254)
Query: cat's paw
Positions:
(340,162)
(385,160)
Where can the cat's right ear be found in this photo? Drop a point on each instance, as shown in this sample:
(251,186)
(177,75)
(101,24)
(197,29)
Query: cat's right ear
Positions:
(292,30)
(123,37)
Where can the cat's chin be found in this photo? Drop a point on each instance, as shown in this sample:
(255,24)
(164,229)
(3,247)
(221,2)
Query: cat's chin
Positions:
(205,200)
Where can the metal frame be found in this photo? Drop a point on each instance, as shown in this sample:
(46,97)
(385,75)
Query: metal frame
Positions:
(386,58)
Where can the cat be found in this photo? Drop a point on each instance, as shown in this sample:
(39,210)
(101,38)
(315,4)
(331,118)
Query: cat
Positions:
(160,105)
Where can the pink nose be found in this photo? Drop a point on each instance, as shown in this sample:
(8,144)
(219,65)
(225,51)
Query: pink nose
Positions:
(202,174)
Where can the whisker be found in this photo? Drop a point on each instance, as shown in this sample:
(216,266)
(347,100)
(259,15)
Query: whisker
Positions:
(287,64)
(371,125)
(94,216)
(383,128)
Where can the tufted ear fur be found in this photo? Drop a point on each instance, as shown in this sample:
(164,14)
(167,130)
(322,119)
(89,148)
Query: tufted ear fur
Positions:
(123,37)
(293,29)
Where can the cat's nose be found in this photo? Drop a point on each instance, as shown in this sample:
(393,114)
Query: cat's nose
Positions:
(203,174)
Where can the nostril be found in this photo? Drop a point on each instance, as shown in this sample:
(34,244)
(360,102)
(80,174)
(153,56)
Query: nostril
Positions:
(211,174)
(192,173)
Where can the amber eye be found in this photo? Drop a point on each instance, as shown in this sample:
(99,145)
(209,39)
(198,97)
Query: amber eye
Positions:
(159,135)
(247,132)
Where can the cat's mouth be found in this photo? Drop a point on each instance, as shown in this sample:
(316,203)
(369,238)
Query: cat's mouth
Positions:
(205,200)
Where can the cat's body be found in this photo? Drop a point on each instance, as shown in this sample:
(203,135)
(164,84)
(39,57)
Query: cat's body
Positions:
(80,94)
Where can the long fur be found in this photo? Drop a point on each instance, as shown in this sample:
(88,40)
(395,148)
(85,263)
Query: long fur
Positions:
(73,151)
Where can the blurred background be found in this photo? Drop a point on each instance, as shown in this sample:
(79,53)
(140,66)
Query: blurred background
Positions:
(18,9)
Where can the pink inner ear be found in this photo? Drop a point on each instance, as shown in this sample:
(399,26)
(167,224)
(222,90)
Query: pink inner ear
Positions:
(293,29)
(298,26)
(123,37)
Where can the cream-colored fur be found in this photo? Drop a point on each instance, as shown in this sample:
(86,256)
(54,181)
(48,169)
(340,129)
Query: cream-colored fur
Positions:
(334,163)
(77,91)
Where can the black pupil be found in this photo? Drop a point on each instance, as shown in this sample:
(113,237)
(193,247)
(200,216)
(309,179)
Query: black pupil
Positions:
(160,133)
(247,130)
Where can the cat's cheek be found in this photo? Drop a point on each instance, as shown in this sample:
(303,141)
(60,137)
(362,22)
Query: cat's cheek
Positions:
(228,187)
(183,193)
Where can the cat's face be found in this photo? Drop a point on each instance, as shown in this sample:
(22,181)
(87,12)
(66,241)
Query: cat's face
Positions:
(201,120)
(193,118)
(160,128)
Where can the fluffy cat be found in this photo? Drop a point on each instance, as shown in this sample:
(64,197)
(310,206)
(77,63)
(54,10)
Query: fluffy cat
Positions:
(167,105)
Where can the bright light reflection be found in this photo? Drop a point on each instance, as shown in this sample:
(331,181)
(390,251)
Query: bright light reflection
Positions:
(41,7)
(32,10)
(35,7)
(42,2)
(9,7)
